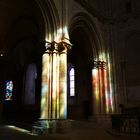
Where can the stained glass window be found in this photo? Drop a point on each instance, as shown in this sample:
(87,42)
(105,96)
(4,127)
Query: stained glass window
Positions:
(72,82)
(9,90)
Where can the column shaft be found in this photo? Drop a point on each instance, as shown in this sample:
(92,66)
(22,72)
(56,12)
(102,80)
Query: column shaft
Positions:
(54,82)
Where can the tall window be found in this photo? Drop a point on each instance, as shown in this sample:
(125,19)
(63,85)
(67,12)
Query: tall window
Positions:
(29,89)
(72,82)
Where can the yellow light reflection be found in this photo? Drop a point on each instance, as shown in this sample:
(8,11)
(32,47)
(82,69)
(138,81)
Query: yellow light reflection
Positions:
(45,85)
(96,95)
(48,37)
(63,85)
(106,90)
(110,85)
(20,129)
(65,30)
(54,86)
(101,89)
(102,56)
(59,34)
(57,85)
(95,83)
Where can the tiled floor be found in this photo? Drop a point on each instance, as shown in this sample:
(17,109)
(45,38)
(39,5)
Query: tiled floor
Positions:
(79,131)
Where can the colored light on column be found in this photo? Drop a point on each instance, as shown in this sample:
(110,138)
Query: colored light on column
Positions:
(54,85)
(57,87)
(95,83)
(96,93)
(110,85)
(45,85)
(63,85)
(106,90)
(102,84)
(54,82)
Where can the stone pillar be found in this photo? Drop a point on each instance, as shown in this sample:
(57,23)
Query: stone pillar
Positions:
(54,85)
(103,102)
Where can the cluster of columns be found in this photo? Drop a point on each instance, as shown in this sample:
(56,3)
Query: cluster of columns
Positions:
(102,89)
(54,80)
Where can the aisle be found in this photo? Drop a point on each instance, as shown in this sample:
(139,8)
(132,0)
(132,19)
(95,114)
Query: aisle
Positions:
(79,131)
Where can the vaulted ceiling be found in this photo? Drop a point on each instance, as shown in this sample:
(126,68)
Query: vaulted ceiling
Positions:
(16,19)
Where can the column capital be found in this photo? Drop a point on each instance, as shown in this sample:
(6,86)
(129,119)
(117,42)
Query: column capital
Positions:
(99,64)
(63,45)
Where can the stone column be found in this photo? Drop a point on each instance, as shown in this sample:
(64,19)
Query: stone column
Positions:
(54,84)
(102,93)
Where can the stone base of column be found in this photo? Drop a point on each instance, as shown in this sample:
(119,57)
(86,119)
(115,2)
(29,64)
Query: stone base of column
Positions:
(101,118)
(42,127)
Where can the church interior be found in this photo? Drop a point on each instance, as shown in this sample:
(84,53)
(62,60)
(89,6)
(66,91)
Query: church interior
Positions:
(70,60)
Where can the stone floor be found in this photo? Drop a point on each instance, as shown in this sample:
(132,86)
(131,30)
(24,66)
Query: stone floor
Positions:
(78,131)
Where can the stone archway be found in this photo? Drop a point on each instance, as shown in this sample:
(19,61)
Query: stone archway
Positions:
(85,48)
(79,57)
(89,54)
(22,34)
